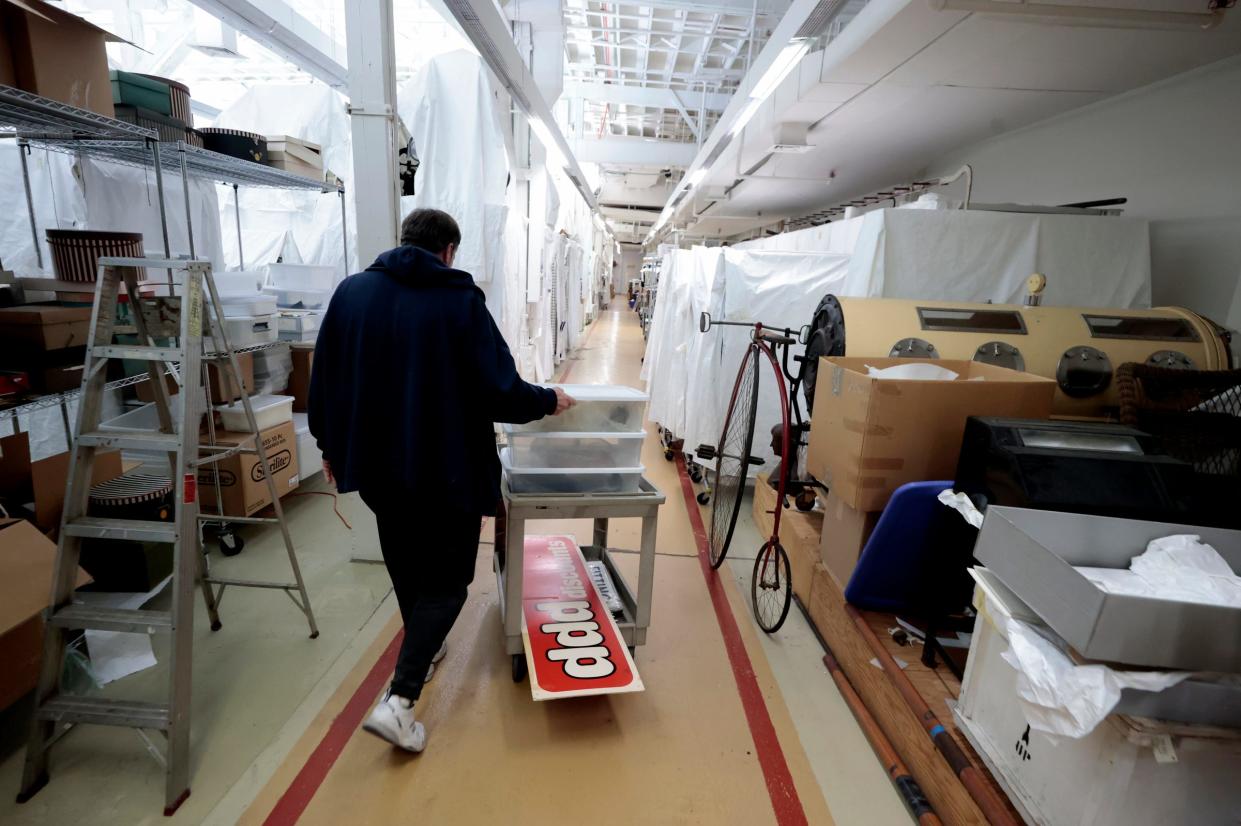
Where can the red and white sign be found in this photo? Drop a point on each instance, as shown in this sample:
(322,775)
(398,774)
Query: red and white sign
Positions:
(573,647)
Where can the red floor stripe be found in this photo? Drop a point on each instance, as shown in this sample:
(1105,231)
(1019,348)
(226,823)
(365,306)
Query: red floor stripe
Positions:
(780,787)
(297,797)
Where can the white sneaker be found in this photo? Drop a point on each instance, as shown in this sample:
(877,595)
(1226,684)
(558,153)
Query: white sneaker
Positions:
(439,655)
(393,720)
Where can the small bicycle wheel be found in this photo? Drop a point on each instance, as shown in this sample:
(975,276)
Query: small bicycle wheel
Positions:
(771,587)
(732,457)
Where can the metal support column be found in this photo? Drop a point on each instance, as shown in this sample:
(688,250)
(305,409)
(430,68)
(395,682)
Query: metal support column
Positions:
(23,149)
(241,258)
(372,110)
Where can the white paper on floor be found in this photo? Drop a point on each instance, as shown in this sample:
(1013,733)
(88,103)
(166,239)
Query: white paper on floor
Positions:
(875,662)
(1062,698)
(117,654)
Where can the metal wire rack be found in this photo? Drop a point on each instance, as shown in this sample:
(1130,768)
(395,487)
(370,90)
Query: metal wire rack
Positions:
(23,112)
(59,399)
(199,163)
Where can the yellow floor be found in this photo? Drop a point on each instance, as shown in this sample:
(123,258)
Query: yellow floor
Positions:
(680,752)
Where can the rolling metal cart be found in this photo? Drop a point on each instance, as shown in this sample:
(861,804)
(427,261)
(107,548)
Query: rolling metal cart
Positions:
(509,556)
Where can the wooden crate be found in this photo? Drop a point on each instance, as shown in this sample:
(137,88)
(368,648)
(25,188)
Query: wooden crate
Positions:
(799,534)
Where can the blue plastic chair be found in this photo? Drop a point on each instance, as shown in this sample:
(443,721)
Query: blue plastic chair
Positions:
(892,572)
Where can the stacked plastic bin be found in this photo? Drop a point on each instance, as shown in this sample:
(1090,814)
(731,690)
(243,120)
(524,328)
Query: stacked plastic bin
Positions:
(594,447)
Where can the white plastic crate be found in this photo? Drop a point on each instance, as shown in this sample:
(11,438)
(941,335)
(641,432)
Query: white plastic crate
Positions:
(1111,777)
(600,408)
(574,450)
(302,276)
(269,411)
(300,321)
(571,480)
(246,331)
(299,299)
(242,305)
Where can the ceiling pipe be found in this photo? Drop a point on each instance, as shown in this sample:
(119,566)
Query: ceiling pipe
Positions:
(1100,16)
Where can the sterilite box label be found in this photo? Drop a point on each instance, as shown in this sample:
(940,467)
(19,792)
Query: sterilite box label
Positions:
(573,645)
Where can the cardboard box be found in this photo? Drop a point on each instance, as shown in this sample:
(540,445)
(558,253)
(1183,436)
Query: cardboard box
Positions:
(56,54)
(49,477)
(243,484)
(870,436)
(1036,554)
(846,531)
(37,328)
(27,563)
(15,481)
(223,388)
(299,379)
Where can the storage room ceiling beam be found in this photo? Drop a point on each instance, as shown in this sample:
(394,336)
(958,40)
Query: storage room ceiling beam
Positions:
(619,95)
(277,26)
(492,35)
(635,151)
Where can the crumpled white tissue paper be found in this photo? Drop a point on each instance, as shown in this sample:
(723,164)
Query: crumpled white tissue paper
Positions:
(1179,567)
(1060,697)
(963,505)
(914,371)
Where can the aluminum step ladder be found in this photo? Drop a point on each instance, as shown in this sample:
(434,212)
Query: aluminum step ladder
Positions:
(185,319)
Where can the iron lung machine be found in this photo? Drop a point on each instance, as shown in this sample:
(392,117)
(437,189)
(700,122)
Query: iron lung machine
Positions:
(1078,347)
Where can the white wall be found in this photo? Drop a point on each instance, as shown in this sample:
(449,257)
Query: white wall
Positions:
(630,268)
(1170,148)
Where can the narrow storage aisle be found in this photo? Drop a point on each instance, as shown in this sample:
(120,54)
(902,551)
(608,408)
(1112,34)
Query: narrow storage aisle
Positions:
(710,741)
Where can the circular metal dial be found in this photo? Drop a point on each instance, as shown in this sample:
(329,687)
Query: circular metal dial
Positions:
(1084,371)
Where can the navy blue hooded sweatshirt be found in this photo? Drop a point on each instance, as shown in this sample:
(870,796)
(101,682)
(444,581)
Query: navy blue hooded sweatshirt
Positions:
(409,374)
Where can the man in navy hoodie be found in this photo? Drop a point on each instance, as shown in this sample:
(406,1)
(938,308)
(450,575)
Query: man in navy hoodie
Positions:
(410,372)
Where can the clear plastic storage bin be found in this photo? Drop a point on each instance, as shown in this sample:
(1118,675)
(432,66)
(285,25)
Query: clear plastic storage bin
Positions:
(269,411)
(574,450)
(302,276)
(571,480)
(246,331)
(241,305)
(600,408)
(299,299)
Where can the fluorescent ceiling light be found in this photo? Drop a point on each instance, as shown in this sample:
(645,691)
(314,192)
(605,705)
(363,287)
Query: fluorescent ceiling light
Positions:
(743,117)
(555,156)
(779,69)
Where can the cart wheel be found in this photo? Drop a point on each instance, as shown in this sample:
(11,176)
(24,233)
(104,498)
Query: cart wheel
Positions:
(230,543)
(695,476)
(704,498)
(669,455)
(805,500)
(519,667)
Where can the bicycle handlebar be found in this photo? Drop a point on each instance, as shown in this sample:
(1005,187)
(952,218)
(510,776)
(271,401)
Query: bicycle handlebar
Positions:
(706,322)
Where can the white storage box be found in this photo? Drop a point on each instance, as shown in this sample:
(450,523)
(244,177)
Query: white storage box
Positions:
(574,450)
(300,321)
(269,411)
(299,299)
(242,305)
(570,480)
(600,408)
(239,281)
(299,338)
(1111,777)
(301,277)
(246,331)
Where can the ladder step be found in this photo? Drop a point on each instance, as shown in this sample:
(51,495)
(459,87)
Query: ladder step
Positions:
(111,619)
(138,530)
(240,520)
(137,352)
(134,440)
(101,711)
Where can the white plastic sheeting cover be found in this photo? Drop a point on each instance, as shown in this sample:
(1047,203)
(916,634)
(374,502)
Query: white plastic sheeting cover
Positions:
(449,108)
(955,255)
(69,193)
(297,226)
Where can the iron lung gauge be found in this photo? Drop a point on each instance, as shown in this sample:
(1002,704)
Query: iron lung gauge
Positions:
(1078,347)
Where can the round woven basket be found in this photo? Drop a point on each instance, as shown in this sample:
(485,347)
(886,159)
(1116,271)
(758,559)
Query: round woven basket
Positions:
(180,94)
(76,252)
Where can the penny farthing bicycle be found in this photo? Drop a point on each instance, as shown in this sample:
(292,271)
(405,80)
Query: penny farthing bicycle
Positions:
(771,586)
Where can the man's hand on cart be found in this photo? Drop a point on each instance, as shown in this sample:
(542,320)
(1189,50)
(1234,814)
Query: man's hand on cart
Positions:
(563,401)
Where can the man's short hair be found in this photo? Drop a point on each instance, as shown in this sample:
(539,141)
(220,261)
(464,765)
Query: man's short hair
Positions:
(431,229)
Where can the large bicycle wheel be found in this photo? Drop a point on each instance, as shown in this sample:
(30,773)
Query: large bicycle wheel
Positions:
(771,587)
(732,457)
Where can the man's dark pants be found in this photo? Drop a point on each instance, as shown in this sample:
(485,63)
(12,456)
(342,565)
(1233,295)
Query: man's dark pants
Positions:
(430,556)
